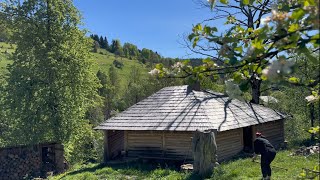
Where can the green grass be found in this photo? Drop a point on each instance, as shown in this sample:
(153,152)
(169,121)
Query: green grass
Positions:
(5,51)
(242,168)
(104,59)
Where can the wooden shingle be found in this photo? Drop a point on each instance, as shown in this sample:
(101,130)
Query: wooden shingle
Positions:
(178,108)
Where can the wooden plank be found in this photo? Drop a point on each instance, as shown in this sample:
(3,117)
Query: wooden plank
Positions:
(125,140)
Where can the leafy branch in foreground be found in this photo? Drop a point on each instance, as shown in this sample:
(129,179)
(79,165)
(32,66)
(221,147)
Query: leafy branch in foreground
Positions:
(260,37)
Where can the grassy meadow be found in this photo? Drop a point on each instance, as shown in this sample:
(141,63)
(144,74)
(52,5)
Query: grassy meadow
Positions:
(238,169)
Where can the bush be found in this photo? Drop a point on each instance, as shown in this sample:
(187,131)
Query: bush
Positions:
(86,145)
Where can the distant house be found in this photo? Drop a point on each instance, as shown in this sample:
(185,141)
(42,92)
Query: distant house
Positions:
(162,125)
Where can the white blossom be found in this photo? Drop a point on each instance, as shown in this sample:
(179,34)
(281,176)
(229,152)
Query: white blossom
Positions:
(278,67)
(178,65)
(268,99)
(311,98)
(233,90)
(154,72)
(266,20)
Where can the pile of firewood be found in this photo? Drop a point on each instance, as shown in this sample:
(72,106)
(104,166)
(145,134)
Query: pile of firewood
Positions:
(306,151)
(20,164)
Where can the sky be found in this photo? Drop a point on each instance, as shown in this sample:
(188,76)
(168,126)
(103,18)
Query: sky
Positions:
(156,25)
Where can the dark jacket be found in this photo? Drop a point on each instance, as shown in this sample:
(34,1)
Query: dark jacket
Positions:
(263,146)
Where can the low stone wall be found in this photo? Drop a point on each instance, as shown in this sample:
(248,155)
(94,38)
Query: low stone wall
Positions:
(30,161)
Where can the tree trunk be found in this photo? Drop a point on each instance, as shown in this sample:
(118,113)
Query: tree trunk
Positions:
(312,118)
(255,87)
(204,149)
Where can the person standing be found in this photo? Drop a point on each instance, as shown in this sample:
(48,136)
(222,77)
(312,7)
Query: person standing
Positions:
(268,153)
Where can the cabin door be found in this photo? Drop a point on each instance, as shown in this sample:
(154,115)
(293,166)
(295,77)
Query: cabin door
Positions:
(247,139)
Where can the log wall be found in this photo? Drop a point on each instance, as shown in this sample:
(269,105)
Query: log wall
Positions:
(273,131)
(28,161)
(178,145)
(116,142)
(229,143)
(162,144)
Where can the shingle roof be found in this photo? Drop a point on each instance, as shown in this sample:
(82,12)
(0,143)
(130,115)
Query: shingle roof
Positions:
(179,108)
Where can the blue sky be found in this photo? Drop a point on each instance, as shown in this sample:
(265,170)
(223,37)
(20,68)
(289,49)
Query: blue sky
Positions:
(156,25)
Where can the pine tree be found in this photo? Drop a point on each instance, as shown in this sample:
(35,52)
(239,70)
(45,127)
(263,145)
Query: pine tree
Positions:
(106,44)
(101,42)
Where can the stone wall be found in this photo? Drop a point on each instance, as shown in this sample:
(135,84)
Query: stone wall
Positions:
(31,161)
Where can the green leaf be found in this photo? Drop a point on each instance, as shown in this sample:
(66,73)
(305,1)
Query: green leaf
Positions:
(245,2)
(259,70)
(297,14)
(257,43)
(224,1)
(159,66)
(191,36)
(198,27)
(246,73)
(294,80)
(195,41)
(263,77)
(237,77)
(293,27)
(315,39)
(239,49)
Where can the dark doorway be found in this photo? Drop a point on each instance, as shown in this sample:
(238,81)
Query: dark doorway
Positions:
(247,139)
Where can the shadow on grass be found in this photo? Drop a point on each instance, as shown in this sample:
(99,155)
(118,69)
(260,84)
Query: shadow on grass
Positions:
(142,166)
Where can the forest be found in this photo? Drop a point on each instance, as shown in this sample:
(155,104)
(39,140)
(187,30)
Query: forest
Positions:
(58,82)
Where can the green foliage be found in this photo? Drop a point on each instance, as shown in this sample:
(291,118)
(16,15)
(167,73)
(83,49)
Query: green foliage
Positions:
(51,84)
(131,51)
(85,145)
(116,47)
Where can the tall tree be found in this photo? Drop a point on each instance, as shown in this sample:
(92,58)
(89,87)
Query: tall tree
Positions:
(51,82)
(106,43)
(116,47)
(101,42)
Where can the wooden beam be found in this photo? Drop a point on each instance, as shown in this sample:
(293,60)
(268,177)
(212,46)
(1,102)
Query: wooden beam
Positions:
(106,153)
(163,143)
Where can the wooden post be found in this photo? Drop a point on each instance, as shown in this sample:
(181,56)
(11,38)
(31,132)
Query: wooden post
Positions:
(163,144)
(204,149)
(106,154)
(125,146)
(59,158)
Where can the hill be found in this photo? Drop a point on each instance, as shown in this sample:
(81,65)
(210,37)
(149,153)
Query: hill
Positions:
(242,168)
(101,60)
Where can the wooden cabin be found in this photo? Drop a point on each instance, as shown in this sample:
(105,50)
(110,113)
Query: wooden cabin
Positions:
(162,125)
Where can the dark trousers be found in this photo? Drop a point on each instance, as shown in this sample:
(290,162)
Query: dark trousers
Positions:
(266,160)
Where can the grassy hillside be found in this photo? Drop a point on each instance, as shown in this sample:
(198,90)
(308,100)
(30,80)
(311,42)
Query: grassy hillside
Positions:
(241,169)
(5,51)
(102,61)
